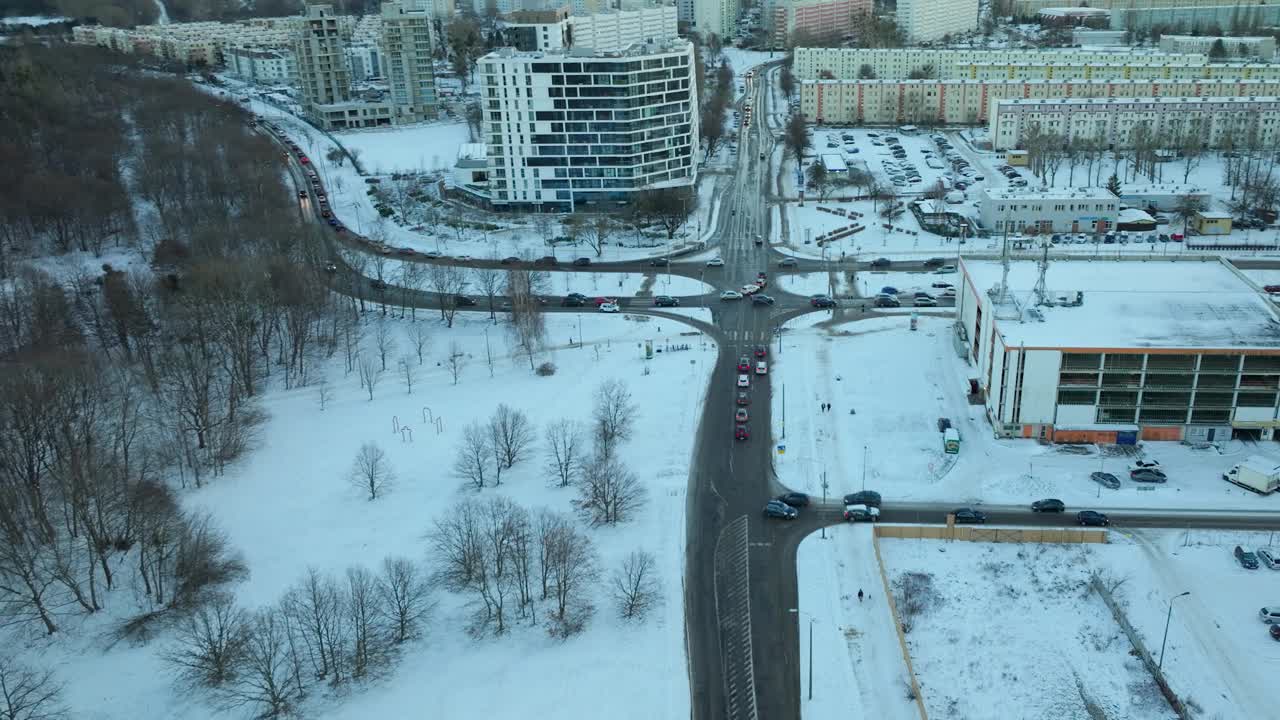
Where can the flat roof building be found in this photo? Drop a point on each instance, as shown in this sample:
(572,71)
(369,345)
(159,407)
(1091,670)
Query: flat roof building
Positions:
(1105,351)
(1052,210)
(898,63)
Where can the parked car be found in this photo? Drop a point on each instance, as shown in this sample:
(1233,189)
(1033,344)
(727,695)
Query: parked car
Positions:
(861,513)
(1269,557)
(730,295)
(778,509)
(1050,505)
(946,270)
(794,499)
(888,290)
(1146,464)
(1106,480)
(969,516)
(1247,560)
(740,432)
(870,498)
(762,300)
(1148,475)
(1270,614)
(1092,518)
(665,301)
(1274,630)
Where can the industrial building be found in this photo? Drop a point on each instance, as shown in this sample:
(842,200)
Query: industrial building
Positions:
(898,63)
(1052,210)
(570,128)
(847,102)
(1113,120)
(1114,352)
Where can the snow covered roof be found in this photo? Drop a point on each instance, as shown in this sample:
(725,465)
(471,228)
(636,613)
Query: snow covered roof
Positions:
(1214,215)
(1129,304)
(834,163)
(1079,193)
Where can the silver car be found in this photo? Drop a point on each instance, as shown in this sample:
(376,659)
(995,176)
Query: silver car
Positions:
(1269,557)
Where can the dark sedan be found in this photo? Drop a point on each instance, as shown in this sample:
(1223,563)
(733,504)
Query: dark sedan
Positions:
(969,516)
(1050,505)
(1106,480)
(870,498)
(1148,475)
(1092,518)
(794,499)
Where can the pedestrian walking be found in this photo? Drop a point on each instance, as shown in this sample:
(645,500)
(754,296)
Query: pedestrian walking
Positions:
(859,594)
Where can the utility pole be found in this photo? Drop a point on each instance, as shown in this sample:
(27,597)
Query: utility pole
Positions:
(824,502)
(784,411)
(864,467)
(1160,665)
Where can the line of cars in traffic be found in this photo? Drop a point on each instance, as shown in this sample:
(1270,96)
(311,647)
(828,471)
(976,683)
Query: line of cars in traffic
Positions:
(742,399)
(753,290)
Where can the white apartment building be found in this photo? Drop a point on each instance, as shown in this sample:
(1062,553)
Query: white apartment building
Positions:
(926,20)
(1136,70)
(1253,47)
(1113,120)
(845,63)
(616,30)
(406,46)
(1052,210)
(197,43)
(716,16)
(967,102)
(1029,8)
(323,77)
(265,67)
(364,62)
(571,128)
(813,20)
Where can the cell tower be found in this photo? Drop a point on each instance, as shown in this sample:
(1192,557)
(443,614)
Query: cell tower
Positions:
(1042,266)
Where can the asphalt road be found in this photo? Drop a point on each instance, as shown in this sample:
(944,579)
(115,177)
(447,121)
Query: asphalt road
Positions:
(740,576)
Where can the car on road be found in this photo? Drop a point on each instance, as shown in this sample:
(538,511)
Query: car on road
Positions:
(1247,559)
(778,509)
(881,263)
(861,513)
(740,415)
(572,301)
(609,307)
(750,289)
(1275,632)
(925,302)
(665,301)
(1270,614)
(730,295)
(788,262)
(762,300)
(463,301)
(302,194)
(1092,518)
(870,498)
(715,262)
(744,364)
(1106,480)
(1051,505)
(377,284)
(659,262)
(761,351)
(740,432)
(544,260)
(744,380)
(762,368)
(743,398)
(969,516)
(934,262)
(509,260)
(1269,557)
(794,499)
(602,300)
(888,290)
(886,301)
(1148,475)
(822,302)
(581,262)
(331,267)
(946,270)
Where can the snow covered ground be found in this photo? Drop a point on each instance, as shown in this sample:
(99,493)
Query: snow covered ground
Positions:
(889,385)
(1015,626)
(816,283)
(288,506)
(414,148)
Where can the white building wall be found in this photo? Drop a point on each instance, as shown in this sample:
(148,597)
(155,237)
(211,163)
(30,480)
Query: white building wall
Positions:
(926,20)
(1252,414)
(614,31)
(715,16)
(1039,386)
(1002,380)
(1076,415)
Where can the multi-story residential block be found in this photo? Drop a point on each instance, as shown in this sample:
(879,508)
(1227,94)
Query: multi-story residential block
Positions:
(198,43)
(533,30)
(364,62)
(1241,47)
(406,50)
(1117,352)
(1054,210)
(1113,121)
(926,20)
(1028,8)
(848,63)
(320,49)
(719,17)
(1200,15)
(957,102)
(266,67)
(1137,70)
(566,129)
(619,29)
(800,21)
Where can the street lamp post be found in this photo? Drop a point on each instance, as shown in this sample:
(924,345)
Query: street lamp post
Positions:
(824,500)
(1167,619)
(795,611)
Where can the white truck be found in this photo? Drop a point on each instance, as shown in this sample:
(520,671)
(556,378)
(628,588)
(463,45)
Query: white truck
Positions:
(1258,473)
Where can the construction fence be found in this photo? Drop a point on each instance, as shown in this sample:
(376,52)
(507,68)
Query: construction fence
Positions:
(971,533)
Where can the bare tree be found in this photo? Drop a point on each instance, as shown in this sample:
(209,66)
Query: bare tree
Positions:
(608,493)
(447,282)
(420,336)
(404,597)
(210,643)
(266,666)
(572,568)
(566,449)
(371,471)
(368,646)
(489,281)
(383,340)
(636,586)
(324,393)
(369,374)
(456,360)
(597,233)
(455,542)
(528,322)
(511,434)
(1188,207)
(475,456)
(315,606)
(613,416)
(408,372)
(27,694)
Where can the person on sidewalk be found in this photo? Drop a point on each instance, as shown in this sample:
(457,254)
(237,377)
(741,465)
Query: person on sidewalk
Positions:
(859,594)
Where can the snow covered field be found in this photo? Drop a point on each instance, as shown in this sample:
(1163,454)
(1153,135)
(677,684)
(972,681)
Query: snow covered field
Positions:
(288,506)
(889,386)
(414,148)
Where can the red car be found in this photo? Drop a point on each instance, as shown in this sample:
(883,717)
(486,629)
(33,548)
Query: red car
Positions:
(762,351)
(740,433)
(602,300)
(303,159)
(744,365)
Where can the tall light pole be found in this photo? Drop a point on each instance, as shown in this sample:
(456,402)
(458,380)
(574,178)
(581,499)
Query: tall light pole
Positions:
(798,611)
(1160,665)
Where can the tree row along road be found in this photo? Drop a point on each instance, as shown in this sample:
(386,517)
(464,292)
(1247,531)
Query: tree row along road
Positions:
(740,573)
